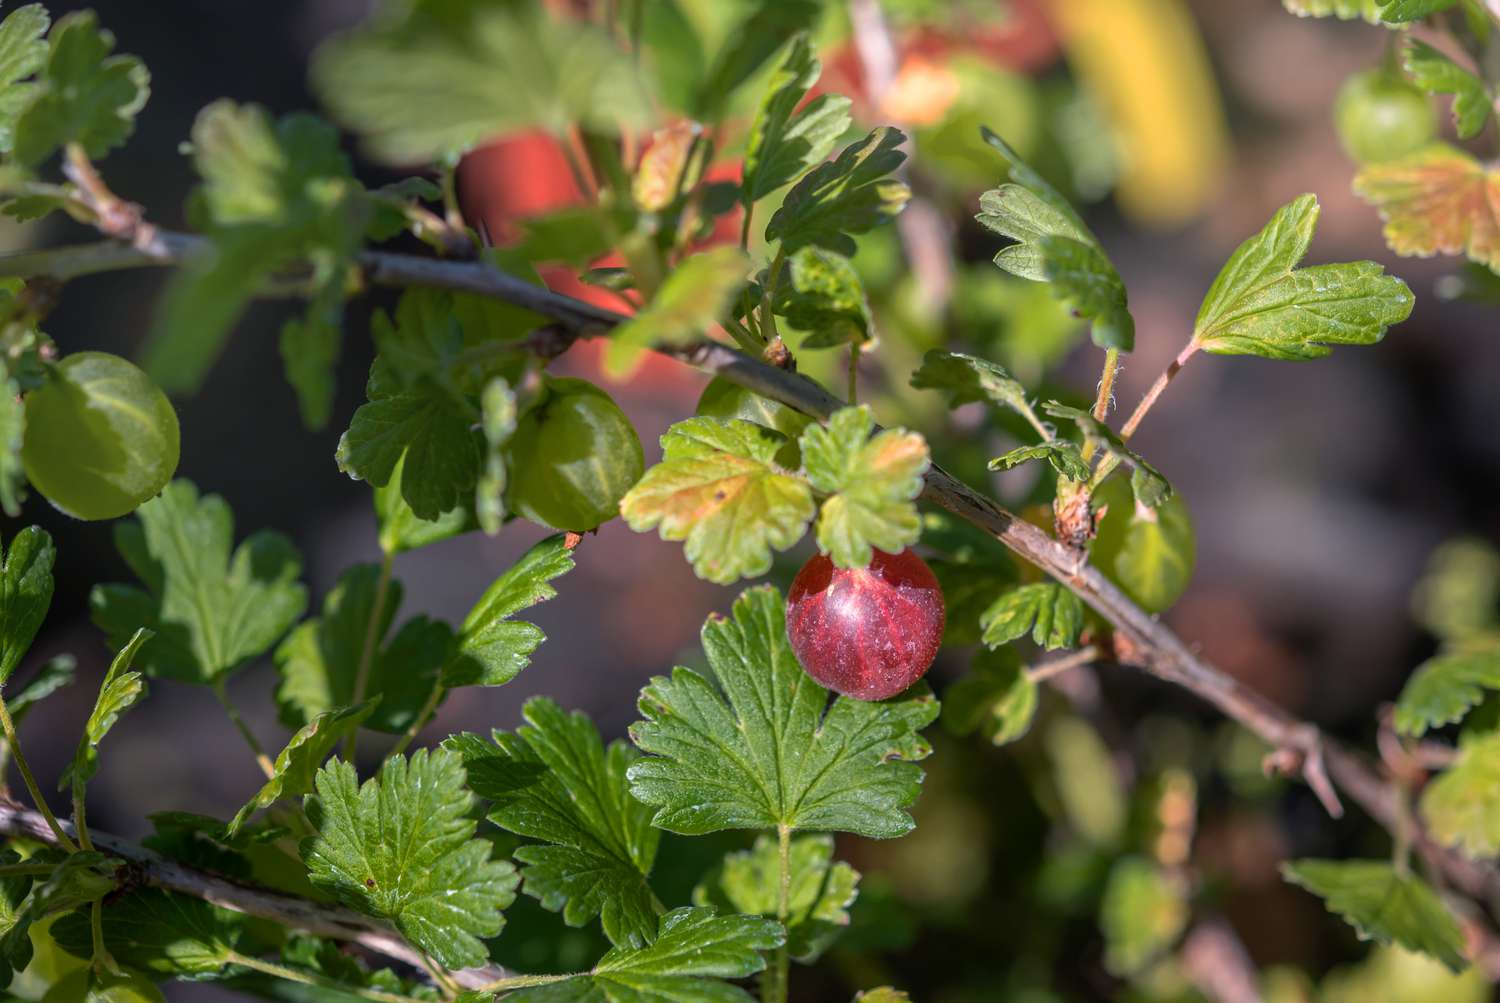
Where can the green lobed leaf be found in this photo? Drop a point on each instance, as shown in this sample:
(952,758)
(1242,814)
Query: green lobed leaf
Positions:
(693,948)
(1262,304)
(819,891)
(851,194)
(821,294)
(871,483)
(15,942)
(747,47)
(319,661)
(1054,245)
(491,648)
(1344,10)
(82,95)
(1404,11)
(159,932)
(78,879)
(718,488)
(967,379)
(209,611)
(784,142)
(689,302)
(1383,905)
(1143,912)
(1435,73)
(1063,456)
(57,672)
(997,697)
(1462,805)
(400,848)
(1148,552)
(1052,614)
(781,755)
(1148,484)
(1444,688)
(555,781)
(401,529)
(297,764)
(426,82)
(23,52)
(25,594)
(120,691)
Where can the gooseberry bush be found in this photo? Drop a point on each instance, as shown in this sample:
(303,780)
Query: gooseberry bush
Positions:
(726,204)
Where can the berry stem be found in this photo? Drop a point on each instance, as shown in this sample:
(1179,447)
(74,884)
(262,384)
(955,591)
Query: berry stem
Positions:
(261,759)
(367,648)
(36,793)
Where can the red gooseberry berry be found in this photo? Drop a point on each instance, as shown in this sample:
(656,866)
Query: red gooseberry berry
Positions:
(867,633)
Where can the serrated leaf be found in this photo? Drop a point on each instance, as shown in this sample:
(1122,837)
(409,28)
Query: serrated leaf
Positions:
(400,848)
(746,48)
(718,488)
(1262,304)
(1445,688)
(777,758)
(1435,73)
(491,648)
(693,948)
(120,691)
(25,594)
(1404,11)
(319,660)
(23,51)
(159,932)
(1438,200)
(872,484)
(1054,245)
(1143,912)
(997,697)
(1344,10)
(15,943)
(966,379)
(1063,456)
(782,142)
(83,95)
(401,529)
(297,763)
(690,301)
(57,672)
(78,879)
(1052,615)
(1462,805)
(555,781)
(853,193)
(425,82)
(1148,552)
(210,612)
(819,891)
(821,295)
(1383,905)
(1148,484)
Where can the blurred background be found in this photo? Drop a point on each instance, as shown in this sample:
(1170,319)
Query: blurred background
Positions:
(1319,491)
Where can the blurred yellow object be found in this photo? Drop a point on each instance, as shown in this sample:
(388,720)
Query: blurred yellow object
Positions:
(1144,63)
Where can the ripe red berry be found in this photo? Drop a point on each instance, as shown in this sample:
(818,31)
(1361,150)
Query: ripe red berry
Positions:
(869,632)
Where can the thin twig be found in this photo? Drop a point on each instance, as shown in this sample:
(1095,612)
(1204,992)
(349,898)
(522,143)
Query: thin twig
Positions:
(1043,671)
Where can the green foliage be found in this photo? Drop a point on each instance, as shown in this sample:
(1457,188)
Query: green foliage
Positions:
(785,757)
(554,781)
(83,95)
(718,488)
(120,691)
(491,648)
(25,594)
(1143,913)
(1383,905)
(23,51)
(1445,688)
(1063,456)
(12,436)
(1052,614)
(209,612)
(997,698)
(853,193)
(304,753)
(966,379)
(1435,73)
(1404,11)
(871,483)
(1462,805)
(689,303)
(784,142)
(159,932)
(400,848)
(821,295)
(819,891)
(1262,304)
(1344,10)
(692,949)
(319,661)
(1148,484)
(428,81)
(1054,245)
(1148,552)
(401,529)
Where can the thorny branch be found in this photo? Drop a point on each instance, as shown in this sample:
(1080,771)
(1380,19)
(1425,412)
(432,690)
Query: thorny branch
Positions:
(1139,640)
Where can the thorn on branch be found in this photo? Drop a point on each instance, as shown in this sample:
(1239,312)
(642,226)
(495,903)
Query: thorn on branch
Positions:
(1308,761)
